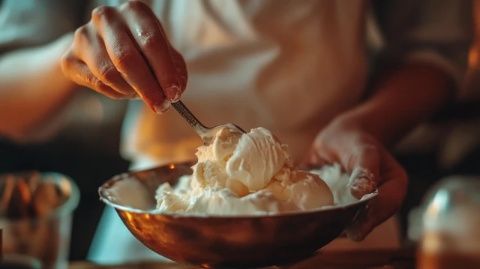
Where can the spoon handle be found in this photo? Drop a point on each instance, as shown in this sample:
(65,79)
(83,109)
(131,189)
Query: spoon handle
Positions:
(190,118)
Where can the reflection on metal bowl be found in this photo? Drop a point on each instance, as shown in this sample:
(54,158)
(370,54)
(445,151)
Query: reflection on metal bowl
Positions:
(211,241)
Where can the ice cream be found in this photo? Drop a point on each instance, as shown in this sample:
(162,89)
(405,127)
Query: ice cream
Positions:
(244,174)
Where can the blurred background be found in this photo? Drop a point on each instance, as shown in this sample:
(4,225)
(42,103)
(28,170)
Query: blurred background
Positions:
(86,148)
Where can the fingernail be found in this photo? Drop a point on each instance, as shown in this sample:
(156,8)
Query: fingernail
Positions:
(163,107)
(362,186)
(173,93)
(362,182)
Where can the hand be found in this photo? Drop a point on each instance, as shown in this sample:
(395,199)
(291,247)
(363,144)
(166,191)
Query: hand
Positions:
(370,166)
(124,53)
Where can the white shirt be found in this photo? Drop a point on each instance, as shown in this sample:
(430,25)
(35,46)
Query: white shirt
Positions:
(289,66)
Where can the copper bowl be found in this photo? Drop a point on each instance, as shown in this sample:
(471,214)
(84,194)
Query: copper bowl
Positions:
(218,241)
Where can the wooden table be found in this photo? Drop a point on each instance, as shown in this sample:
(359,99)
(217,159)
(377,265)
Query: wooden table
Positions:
(372,259)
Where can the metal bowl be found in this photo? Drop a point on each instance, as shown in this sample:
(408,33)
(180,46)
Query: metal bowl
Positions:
(218,241)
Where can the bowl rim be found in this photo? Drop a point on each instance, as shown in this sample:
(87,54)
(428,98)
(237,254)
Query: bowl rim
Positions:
(102,191)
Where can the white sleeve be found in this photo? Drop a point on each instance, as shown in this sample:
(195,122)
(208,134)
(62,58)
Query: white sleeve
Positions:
(438,32)
(31,24)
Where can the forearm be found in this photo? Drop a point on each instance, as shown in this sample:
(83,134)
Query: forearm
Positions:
(401,99)
(32,87)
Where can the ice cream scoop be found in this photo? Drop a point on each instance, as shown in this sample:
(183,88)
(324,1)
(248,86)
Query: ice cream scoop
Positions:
(244,174)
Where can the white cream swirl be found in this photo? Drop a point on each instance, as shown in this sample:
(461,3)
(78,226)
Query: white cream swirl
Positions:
(245,174)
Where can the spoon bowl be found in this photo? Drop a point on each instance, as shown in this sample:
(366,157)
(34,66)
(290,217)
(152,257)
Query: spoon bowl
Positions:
(207,134)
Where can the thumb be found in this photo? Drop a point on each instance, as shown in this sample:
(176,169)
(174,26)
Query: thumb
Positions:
(391,193)
(364,178)
(364,165)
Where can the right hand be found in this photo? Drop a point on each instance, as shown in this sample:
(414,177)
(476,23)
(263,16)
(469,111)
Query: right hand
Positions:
(370,165)
(124,53)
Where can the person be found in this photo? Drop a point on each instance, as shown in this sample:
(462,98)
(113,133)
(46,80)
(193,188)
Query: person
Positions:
(305,70)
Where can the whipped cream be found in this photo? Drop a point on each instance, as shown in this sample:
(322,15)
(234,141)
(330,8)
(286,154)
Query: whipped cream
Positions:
(244,174)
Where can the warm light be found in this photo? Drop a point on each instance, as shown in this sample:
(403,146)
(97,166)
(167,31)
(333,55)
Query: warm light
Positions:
(129,216)
(65,186)
(432,242)
(440,202)
(473,57)
(171,166)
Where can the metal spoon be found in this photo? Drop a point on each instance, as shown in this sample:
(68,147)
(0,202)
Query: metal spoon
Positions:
(207,134)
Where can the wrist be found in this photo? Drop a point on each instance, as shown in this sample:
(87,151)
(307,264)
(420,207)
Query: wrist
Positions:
(356,122)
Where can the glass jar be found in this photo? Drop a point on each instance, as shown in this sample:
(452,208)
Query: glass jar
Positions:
(35,217)
(449,222)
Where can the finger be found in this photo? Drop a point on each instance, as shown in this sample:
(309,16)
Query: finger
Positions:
(150,38)
(363,162)
(390,196)
(95,56)
(80,74)
(127,59)
(181,68)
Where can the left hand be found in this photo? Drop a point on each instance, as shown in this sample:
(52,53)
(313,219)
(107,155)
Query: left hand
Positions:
(370,165)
